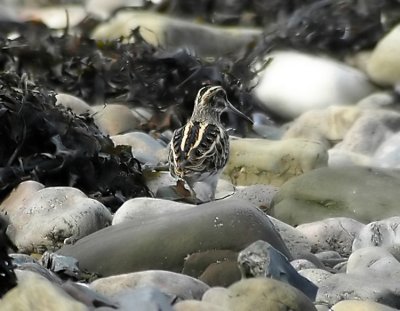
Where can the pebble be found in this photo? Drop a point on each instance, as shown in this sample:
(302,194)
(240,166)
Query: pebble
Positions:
(338,192)
(164,242)
(77,105)
(384,64)
(141,210)
(46,218)
(261,161)
(388,153)
(260,294)
(172,32)
(374,261)
(170,283)
(36,293)
(315,275)
(335,234)
(144,148)
(381,233)
(260,259)
(343,286)
(286,90)
(357,305)
(114,119)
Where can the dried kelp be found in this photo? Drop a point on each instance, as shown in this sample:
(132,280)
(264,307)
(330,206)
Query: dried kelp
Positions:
(42,142)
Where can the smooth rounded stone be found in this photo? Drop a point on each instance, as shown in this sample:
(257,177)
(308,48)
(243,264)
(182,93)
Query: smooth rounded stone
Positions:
(383,233)
(171,283)
(20,259)
(103,9)
(261,161)
(263,294)
(35,293)
(384,64)
(377,100)
(157,29)
(55,16)
(259,195)
(217,296)
(373,261)
(338,192)
(195,305)
(77,105)
(114,119)
(143,298)
(265,127)
(326,125)
(330,258)
(315,275)
(357,305)
(260,259)
(360,287)
(145,209)
(370,130)
(301,264)
(317,82)
(223,273)
(340,158)
(295,240)
(163,243)
(46,219)
(335,234)
(144,147)
(156,181)
(27,268)
(388,153)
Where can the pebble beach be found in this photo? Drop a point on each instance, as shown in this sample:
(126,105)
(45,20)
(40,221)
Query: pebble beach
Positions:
(306,210)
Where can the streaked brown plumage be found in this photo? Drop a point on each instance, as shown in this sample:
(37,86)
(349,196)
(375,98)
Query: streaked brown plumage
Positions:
(200,149)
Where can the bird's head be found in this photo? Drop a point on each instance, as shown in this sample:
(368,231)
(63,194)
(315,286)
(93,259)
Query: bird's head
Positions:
(212,101)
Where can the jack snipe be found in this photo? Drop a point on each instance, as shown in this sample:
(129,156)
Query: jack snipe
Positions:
(200,149)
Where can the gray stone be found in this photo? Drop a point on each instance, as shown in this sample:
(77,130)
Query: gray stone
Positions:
(170,283)
(44,219)
(357,305)
(163,243)
(260,259)
(339,192)
(360,287)
(317,276)
(77,105)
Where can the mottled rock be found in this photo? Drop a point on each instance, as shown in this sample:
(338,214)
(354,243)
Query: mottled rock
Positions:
(301,264)
(260,161)
(360,287)
(370,130)
(383,233)
(263,294)
(43,219)
(37,294)
(289,93)
(374,261)
(338,192)
(331,234)
(317,276)
(163,243)
(170,283)
(384,64)
(260,259)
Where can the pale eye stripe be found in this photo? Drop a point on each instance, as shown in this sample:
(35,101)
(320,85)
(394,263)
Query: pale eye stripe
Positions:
(185,135)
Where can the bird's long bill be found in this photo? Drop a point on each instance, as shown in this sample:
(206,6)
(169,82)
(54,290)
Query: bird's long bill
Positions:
(238,112)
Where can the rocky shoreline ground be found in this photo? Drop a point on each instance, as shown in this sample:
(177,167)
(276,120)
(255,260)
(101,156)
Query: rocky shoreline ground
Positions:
(306,211)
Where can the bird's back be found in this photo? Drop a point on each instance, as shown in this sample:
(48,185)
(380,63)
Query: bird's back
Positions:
(198,149)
